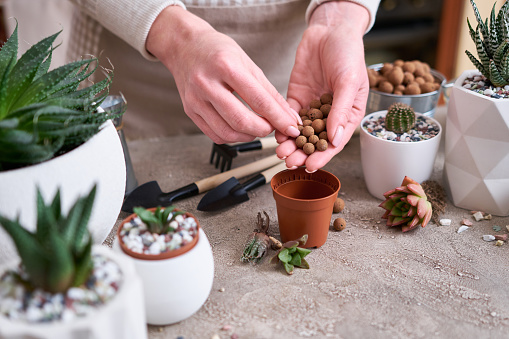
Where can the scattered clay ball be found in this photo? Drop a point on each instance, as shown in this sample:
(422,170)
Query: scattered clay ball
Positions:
(318,126)
(301,141)
(325,108)
(307,122)
(339,205)
(300,127)
(309,148)
(339,224)
(313,139)
(315,103)
(303,112)
(322,145)
(308,131)
(326,99)
(315,113)
(323,135)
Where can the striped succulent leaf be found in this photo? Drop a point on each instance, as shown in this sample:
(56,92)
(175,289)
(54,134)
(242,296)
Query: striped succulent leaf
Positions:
(57,255)
(46,113)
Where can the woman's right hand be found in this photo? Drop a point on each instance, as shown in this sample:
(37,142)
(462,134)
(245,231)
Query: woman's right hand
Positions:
(208,68)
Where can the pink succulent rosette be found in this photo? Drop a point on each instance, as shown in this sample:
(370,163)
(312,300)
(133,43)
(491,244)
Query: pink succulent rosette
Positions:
(407,206)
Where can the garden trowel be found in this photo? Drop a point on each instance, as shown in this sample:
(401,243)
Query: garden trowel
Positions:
(232,192)
(150,194)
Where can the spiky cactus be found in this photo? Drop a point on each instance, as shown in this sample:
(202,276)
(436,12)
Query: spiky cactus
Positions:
(161,220)
(491,38)
(400,118)
(57,255)
(407,206)
(43,113)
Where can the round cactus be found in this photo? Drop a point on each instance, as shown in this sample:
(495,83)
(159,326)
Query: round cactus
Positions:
(400,118)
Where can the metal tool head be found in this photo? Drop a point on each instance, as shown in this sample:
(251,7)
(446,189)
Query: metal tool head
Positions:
(223,154)
(227,194)
(145,195)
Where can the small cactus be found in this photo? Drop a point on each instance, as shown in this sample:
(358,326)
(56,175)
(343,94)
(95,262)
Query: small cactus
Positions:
(400,118)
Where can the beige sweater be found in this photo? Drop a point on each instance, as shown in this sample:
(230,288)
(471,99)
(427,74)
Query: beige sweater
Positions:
(154,106)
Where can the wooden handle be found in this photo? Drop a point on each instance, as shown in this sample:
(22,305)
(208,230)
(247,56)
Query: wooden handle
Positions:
(239,172)
(269,173)
(268,142)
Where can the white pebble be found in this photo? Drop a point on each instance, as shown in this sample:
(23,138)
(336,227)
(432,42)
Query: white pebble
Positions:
(467,86)
(445,222)
(462,228)
(478,216)
(488,237)
(155,248)
(488,91)
(506,87)
(481,83)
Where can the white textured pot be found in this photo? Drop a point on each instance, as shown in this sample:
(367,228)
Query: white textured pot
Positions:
(176,288)
(98,161)
(122,317)
(385,163)
(476,168)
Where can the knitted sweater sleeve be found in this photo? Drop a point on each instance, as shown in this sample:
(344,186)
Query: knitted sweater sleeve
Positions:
(131,22)
(370,5)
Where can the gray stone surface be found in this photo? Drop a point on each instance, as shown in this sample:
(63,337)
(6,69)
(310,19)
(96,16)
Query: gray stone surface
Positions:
(367,281)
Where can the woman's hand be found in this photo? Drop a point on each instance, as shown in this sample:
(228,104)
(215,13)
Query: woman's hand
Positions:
(330,59)
(211,72)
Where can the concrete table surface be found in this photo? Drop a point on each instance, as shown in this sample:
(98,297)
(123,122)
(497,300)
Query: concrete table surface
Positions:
(366,281)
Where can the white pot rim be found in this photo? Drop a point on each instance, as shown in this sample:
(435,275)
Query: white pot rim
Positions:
(458,85)
(384,112)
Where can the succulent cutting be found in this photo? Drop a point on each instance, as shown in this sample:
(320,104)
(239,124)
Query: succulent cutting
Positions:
(161,220)
(400,118)
(407,206)
(491,38)
(258,242)
(45,113)
(291,255)
(57,255)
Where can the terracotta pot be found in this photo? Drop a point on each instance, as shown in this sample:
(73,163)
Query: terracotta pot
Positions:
(176,284)
(304,204)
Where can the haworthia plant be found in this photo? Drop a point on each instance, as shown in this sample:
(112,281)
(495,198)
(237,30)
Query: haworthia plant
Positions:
(46,113)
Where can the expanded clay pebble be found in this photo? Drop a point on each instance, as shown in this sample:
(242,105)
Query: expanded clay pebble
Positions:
(309,148)
(322,145)
(339,224)
(339,205)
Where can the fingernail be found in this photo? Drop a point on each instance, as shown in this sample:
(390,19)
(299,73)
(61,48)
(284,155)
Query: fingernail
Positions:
(282,158)
(310,171)
(299,119)
(292,168)
(292,131)
(338,137)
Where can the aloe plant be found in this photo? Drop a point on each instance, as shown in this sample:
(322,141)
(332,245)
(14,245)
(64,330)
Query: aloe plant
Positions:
(46,113)
(400,118)
(491,38)
(161,220)
(57,255)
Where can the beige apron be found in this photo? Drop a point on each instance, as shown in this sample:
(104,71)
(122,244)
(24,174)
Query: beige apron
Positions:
(268,33)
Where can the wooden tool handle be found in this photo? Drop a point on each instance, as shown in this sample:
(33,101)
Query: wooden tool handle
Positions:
(269,173)
(239,172)
(268,142)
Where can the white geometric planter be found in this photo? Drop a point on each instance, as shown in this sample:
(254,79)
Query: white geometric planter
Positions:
(476,169)
(98,161)
(123,317)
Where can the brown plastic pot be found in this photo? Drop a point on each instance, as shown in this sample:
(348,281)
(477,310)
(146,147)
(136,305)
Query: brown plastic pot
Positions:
(304,203)
(161,256)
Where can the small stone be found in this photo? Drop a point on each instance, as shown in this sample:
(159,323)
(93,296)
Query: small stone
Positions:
(488,237)
(496,228)
(507,228)
(502,237)
(221,289)
(445,222)
(488,217)
(463,228)
(215,336)
(478,216)
(499,243)
(466,222)
(226,328)
(234,336)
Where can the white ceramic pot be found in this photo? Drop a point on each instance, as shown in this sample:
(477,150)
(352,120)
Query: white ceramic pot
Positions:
(385,163)
(98,161)
(122,317)
(176,288)
(476,168)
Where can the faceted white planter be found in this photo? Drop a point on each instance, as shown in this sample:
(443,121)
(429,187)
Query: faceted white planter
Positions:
(385,163)
(176,288)
(100,160)
(122,317)
(476,169)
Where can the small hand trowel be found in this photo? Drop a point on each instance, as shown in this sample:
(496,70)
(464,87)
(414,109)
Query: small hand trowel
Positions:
(150,195)
(232,192)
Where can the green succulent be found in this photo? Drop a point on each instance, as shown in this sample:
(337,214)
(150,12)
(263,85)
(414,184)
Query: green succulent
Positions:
(491,38)
(400,118)
(292,256)
(46,113)
(159,220)
(57,255)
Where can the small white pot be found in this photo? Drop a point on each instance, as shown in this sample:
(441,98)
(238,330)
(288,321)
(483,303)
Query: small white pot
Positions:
(176,288)
(385,163)
(122,317)
(476,169)
(99,161)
